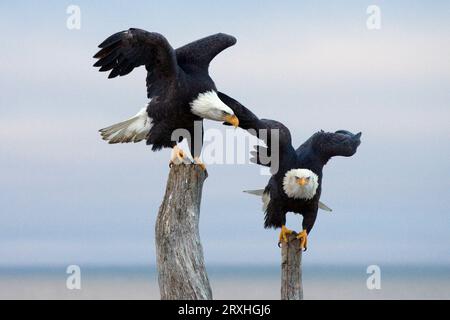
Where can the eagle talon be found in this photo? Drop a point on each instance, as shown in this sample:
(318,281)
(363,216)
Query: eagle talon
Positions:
(284,235)
(177,157)
(303,237)
(198,162)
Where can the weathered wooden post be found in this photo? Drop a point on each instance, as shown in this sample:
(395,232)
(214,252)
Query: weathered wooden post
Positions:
(291,269)
(181,268)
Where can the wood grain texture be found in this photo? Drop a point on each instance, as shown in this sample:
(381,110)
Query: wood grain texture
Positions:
(291,270)
(181,268)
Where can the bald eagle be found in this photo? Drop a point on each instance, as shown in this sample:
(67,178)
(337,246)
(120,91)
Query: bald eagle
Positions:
(178,84)
(295,184)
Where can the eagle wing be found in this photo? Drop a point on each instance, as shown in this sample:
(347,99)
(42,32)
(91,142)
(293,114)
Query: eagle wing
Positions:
(330,144)
(198,54)
(129,49)
(277,137)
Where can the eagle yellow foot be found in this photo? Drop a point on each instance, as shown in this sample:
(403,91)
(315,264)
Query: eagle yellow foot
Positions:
(303,237)
(178,157)
(284,233)
(198,162)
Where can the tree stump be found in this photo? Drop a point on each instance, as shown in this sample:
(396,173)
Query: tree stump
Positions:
(181,268)
(291,270)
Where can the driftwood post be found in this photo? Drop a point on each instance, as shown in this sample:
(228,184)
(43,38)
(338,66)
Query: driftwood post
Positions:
(291,270)
(181,268)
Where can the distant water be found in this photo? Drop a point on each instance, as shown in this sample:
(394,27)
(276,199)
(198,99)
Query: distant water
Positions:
(243,282)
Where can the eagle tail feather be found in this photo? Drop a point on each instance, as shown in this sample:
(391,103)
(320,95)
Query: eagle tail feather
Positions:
(260,193)
(134,129)
(324,207)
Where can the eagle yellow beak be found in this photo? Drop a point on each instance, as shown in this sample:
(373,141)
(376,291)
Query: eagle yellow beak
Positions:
(232,119)
(302,181)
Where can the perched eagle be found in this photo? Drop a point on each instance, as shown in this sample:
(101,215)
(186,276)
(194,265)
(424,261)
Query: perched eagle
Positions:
(295,185)
(178,84)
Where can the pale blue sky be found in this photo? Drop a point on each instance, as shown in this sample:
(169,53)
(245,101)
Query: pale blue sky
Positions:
(67,197)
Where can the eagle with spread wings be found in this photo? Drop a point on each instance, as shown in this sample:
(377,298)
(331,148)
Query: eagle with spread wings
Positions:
(296,181)
(179,87)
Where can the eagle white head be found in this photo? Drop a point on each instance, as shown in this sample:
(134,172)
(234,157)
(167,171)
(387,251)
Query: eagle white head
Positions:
(208,105)
(300,184)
